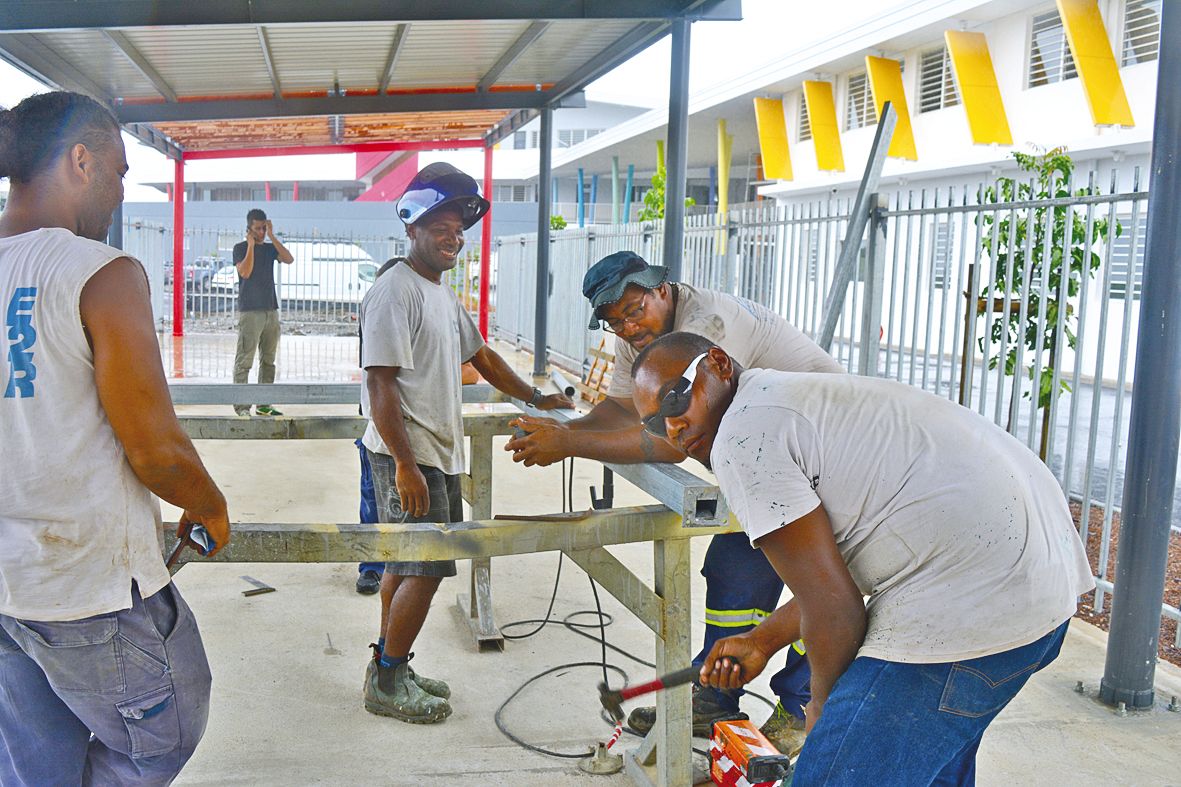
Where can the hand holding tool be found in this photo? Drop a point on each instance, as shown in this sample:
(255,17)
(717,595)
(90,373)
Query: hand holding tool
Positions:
(198,536)
(613,699)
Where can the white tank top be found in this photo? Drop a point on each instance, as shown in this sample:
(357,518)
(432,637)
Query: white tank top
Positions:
(76,525)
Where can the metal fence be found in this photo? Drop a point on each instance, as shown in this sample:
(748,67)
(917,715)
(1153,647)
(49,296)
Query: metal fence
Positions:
(977,306)
(322,287)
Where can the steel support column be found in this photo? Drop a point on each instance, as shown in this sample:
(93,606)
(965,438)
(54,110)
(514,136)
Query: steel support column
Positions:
(178,247)
(486,244)
(1151,470)
(544,195)
(678,138)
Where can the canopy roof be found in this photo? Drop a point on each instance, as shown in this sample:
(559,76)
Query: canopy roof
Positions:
(225,74)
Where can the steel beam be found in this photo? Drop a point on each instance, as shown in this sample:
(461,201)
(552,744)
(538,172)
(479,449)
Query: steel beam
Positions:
(678,140)
(78,14)
(623,49)
(231,109)
(511,124)
(618,580)
(141,63)
(510,56)
(544,198)
(264,44)
(31,55)
(353,543)
(1155,423)
(391,62)
(292,393)
(846,267)
(154,139)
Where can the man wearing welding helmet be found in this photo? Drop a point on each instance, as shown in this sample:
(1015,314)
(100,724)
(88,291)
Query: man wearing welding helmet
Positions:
(636,302)
(415,336)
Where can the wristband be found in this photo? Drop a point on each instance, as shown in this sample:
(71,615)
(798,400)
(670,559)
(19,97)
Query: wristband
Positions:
(536,398)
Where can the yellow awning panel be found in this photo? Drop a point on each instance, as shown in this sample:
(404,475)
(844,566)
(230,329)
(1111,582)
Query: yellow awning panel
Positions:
(1096,62)
(826,134)
(885,79)
(975,78)
(773,138)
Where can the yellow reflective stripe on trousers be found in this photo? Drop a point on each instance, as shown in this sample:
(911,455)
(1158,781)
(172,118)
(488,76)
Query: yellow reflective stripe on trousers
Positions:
(735,618)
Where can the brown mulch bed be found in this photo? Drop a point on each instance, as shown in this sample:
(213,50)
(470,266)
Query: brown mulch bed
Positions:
(1172,594)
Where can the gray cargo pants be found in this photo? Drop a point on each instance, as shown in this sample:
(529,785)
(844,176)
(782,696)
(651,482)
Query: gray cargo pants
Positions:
(136,679)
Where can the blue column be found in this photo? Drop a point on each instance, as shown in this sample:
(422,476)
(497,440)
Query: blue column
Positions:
(581,200)
(713,185)
(627,192)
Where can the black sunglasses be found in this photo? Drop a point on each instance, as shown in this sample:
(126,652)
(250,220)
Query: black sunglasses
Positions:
(675,402)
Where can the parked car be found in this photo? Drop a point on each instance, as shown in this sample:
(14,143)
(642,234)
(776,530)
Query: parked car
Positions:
(199,273)
(323,272)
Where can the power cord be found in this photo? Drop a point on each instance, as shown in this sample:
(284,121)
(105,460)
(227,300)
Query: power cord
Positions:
(603,620)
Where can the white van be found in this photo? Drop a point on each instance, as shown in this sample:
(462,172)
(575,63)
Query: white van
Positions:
(323,272)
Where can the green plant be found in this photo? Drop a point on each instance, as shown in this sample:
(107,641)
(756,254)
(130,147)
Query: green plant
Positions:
(654,197)
(557,222)
(1016,243)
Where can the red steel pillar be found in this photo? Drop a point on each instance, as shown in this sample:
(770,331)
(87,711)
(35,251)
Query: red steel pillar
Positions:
(486,244)
(178,248)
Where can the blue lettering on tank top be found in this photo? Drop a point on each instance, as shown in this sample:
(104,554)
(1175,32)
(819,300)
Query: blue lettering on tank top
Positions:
(22,336)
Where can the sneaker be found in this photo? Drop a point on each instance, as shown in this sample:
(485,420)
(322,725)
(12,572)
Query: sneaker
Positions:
(785,731)
(390,691)
(368,582)
(435,688)
(266,409)
(706,711)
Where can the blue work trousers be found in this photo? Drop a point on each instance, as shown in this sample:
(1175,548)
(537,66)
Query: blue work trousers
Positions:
(368,505)
(742,588)
(895,725)
(120,698)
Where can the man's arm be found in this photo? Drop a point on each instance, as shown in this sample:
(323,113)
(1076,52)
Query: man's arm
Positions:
(735,661)
(117,316)
(832,617)
(496,371)
(245,265)
(281,252)
(385,406)
(610,432)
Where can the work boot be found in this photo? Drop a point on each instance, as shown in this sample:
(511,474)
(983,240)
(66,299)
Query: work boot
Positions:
(390,691)
(435,688)
(785,731)
(706,711)
(368,582)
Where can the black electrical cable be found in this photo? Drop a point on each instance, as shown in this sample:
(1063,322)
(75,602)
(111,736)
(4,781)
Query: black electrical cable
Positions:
(603,620)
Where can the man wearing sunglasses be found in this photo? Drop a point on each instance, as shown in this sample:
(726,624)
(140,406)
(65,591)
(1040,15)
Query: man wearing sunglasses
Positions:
(857,486)
(636,302)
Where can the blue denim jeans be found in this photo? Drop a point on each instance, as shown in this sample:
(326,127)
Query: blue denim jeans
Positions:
(136,679)
(891,724)
(741,583)
(368,505)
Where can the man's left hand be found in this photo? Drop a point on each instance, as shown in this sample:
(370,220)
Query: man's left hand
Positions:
(555,401)
(545,443)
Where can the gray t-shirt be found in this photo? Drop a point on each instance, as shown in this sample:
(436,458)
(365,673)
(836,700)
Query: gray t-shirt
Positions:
(752,334)
(958,533)
(420,327)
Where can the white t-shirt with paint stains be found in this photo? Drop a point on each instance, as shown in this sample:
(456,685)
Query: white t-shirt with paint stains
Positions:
(752,334)
(957,533)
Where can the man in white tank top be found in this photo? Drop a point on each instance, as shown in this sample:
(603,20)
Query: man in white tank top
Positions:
(94,638)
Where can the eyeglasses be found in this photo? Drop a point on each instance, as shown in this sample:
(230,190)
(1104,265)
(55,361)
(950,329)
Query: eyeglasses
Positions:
(631,317)
(675,402)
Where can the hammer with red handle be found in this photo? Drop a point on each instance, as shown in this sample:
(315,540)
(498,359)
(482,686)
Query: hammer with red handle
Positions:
(613,699)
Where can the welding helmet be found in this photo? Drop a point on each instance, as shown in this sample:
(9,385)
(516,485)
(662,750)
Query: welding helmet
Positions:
(442,185)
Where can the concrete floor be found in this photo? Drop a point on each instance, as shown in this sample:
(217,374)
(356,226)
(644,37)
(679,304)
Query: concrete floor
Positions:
(288,665)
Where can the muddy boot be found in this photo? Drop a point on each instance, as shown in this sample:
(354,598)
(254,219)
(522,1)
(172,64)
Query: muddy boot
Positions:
(389,691)
(785,731)
(436,688)
(431,686)
(706,711)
